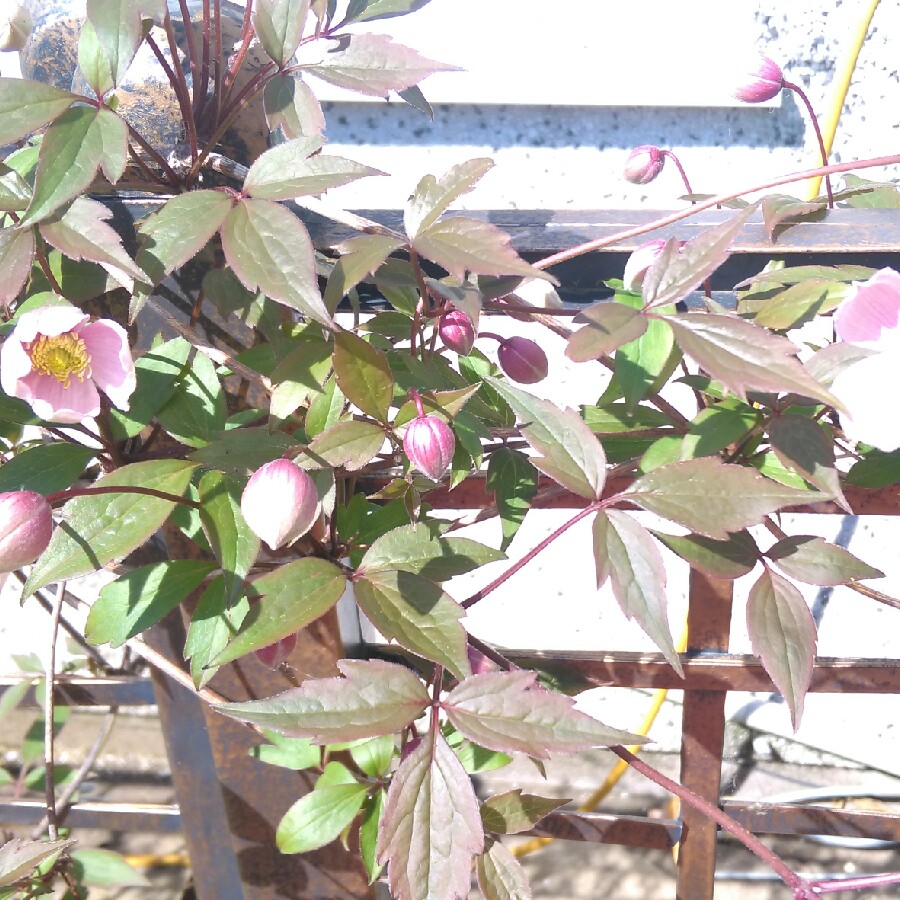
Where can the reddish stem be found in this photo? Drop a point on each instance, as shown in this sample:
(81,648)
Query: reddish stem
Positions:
(856,884)
(681,172)
(815,123)
(420,410)
(61,496)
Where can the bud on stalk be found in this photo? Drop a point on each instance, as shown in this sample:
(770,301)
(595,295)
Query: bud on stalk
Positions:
(275,654)
(644,163)
(26,524)
(763,82)
(280,503)
(522,360)
(457,332)
(429,442)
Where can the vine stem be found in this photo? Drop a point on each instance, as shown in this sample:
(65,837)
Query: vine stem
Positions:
(530,555)
(815,123)
(49,707)
(677,163)
(855,884)
(718,200)
(61,496)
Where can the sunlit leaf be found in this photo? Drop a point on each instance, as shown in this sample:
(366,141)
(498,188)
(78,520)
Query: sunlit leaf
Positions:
(433,195)
(514,811)
(609,326)
(319,817)
(19,858)
(813,560)
(99,867)
(369,10)
(500,875)
(291,106)
(363,374)
(27,105)
(243,450)
(16,257)
(196,412)
(117,25)
(45,468)
(360,256)
(780,209)
(279,26)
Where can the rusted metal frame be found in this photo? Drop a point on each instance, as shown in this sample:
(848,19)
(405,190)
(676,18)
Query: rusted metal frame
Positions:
(155,817)
(79,691)
(775,818)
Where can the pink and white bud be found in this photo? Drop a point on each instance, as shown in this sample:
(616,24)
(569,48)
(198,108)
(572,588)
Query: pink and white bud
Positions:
(26,524)
(644,163)
(522,360)
(15,27)
(639,262)
(429,443)
(764,80)
(457,331)
(280,503)
(275,654)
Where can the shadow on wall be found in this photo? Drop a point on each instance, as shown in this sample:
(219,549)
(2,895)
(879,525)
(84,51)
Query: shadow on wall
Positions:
(395,124)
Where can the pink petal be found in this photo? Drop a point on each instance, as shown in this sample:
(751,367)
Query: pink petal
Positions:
(861,388)
(870,316)
(112,367)
(54,402)
(15,364)
(48,320)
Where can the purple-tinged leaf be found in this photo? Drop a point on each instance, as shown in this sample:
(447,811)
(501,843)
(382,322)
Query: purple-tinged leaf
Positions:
(625,553)
(346,444)
(16,257)
(813,560)
(433,195)
(783,635)
(500,875)
(360,256)
(675,274)
(117,26)
(269,249)
(27,105)
(431,829)
(279,26)
(514,481)
(371,64)
(290,104)
(713,498)
(731,558)
(369,10)
(609,326)
(82,232)
(19,858)
(295,169)
(363,374)
(373,698)
(743,356)
(319,817)
(571,453)
(780,209)
(417,614)
(460,244)
(287,599)
(805,446)
(513,811)
(512,713)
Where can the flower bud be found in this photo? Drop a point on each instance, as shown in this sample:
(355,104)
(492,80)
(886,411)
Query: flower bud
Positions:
(15,27)
(275,654)
(429,444)
(644,163)
(763,82)
(457,331)
(280,503)
(522,360)
(26,524)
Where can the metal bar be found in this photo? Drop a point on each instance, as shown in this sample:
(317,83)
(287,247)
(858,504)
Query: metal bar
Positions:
(72,691)
(629,831)
(161,818)
(766,818)
(702,739)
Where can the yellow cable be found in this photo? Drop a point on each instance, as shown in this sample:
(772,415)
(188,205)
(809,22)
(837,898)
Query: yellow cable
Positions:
(841,86)
(151,860)
(619,769)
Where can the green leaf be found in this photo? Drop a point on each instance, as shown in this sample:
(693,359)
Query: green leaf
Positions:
(140,598)
(15,191)
(374,756)
(241,451)
(800,303)
(288,170)
(615,418)
(98,529)
(876,470)
(326,409)
(363,374)
(417,614)
(514,811)
(290,105)
(813,560)
(783,635)
(730,558)
(572,455)
(93,63)
(872,194)
(97,867)
(374,698)
(716,427)
(640,363)
(373,811)
(19,858)
(196,411)
(279,26)
(46,468)
(369,10)
(230,537)
(287,599)
(433,195)
(609,326)
(510,712)
(625,553)
(413,548)
(319,817)
(16,257)
(300,375)
(476,760)
(500,875)
(346,444)
(446,404)
(431,828)
(269,249)
(360,256)
(289,753)
(711,497)
(27,105)
(514,481)
(213,623)
(780,209)
(117,25)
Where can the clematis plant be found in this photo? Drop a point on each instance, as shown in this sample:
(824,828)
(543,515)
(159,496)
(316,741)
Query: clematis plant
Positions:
(293,414)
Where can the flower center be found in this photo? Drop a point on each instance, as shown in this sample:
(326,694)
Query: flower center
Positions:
(61,355)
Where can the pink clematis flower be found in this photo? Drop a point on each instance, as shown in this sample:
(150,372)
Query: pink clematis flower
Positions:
(870,318)
(56,358)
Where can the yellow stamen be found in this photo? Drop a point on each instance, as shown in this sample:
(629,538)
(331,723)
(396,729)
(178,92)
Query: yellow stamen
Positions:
(61,355)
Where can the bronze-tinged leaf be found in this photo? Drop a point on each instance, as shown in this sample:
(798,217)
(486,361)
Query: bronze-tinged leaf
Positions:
(731,558)
(363,374)
(433,195)
(346,444)
(27,105)
(279,26)
(360,256)
(16,257)
(780,209)
(373,698)
(431,828)
(783,635)
(813,560)
(291,105)
(500,875)
(514,811)
(609,326)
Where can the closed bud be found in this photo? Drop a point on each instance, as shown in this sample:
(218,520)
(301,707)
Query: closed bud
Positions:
(522,360)
(275,654)
(644,163)
(280,503)
(429,444)
(457,331)
(26,524)
(15,27)
(763,81)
